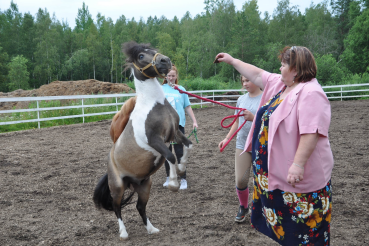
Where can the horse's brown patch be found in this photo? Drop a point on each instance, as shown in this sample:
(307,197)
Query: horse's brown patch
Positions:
(131,160)
(121,118)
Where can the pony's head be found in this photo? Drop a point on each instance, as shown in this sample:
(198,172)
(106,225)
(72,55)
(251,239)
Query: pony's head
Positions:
(145,61)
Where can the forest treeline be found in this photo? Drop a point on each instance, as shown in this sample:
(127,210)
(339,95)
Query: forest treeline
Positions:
(36,50)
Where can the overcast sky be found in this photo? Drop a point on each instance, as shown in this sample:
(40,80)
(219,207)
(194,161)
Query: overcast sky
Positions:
(67,9)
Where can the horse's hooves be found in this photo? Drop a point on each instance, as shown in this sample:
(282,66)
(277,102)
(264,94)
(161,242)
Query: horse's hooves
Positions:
(154,230)
(123,238)
(173,188)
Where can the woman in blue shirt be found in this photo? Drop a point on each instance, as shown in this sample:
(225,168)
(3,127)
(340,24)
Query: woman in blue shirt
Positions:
(180,103)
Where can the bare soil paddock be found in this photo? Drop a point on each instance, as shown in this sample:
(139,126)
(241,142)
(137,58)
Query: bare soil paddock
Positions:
(47,178)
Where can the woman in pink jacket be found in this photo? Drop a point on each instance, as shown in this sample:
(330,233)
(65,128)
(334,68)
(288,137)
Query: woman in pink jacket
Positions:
(291,155)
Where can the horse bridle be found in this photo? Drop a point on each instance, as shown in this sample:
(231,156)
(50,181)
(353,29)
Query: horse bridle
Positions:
(152,63)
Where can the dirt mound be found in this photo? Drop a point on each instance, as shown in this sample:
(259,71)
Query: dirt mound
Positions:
(64,88)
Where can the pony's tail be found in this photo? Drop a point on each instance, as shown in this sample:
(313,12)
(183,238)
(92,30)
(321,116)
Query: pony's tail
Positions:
(102,197)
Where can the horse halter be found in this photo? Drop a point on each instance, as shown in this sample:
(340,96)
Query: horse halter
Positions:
(152,63)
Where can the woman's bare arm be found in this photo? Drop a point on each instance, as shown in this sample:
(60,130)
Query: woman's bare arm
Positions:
(251,72)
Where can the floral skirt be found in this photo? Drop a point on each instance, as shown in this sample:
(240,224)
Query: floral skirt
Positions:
(293,218)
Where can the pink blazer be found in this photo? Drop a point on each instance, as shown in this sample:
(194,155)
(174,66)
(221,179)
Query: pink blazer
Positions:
(306,109)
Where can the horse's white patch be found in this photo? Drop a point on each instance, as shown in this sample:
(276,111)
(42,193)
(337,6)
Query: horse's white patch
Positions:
(173,182)
(186,153)
(122,230)
(150,228)
(149,93)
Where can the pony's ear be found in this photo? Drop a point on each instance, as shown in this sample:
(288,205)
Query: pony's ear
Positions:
(128,49)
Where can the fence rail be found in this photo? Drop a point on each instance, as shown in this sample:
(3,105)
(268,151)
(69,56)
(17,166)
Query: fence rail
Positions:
(333,92)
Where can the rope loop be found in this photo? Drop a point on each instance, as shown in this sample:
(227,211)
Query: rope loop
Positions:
(239,114)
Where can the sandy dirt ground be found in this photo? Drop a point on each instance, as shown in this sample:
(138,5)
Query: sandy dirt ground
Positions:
(47,178)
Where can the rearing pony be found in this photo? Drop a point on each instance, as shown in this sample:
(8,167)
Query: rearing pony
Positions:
(141,149)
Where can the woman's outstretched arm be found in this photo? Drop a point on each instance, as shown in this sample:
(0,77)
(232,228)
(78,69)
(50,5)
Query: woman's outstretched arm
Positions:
(249,71)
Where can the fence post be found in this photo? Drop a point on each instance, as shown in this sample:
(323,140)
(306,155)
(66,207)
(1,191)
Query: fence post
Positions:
(38,115)
(201,99)
(83,112)
(116,103)
(341,93)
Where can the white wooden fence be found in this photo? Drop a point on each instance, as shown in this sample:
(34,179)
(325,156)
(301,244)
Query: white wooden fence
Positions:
(333,92)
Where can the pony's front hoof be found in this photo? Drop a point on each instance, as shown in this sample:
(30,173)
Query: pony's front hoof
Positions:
(123,235)
(173,185)
(150,228)
(181,169)
(173,188)
(154,230)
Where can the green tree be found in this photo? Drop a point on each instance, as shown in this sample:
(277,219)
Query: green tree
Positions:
(220,16)
(366,4)
(329,70)
(341,12)
(248,36)
(18,74)
(11,30)
(83,19)
(356,54)
(270,61)
(287,25)
(77,65)
(4,59)
(166,44)
(93,46)
(321,31)
(46,55)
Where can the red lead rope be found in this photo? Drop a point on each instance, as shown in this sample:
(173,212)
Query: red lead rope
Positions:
(224,105)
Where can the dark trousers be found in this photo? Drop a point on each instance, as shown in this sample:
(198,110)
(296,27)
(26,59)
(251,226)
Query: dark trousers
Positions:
(178,149)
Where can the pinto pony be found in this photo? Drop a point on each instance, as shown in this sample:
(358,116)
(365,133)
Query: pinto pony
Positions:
(140,132)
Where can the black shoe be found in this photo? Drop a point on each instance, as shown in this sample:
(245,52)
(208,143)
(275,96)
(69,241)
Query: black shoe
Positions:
(241,215)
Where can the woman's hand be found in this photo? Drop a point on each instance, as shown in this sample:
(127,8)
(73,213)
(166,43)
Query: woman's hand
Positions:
(248,115)
(222,143)
(224,57)
(295,175)
(194,124)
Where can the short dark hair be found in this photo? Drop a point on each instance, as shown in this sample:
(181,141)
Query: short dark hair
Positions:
(301,59)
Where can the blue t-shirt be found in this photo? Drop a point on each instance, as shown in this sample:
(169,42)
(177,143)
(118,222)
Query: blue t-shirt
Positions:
(178,101)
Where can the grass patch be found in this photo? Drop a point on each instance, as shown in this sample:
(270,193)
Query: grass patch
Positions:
(18,116)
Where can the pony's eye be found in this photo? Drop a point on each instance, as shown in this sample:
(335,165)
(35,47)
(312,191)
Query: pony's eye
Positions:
(140,57)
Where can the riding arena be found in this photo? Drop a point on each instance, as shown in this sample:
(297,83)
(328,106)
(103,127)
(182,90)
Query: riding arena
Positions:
(48,177)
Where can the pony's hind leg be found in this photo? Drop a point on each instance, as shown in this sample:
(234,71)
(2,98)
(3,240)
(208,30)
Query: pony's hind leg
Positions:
(143,191)
(187,146)
(117,187)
